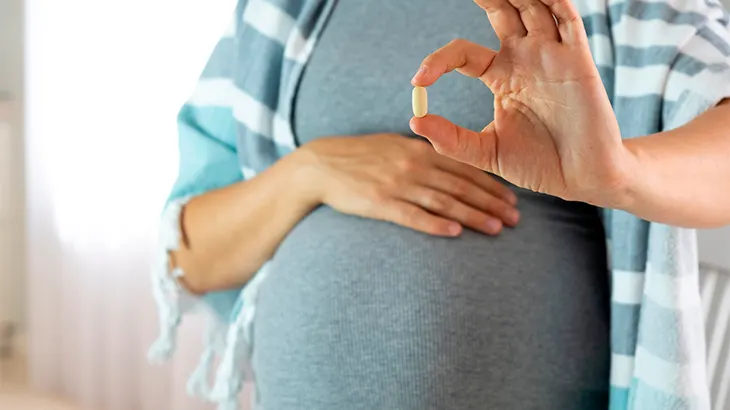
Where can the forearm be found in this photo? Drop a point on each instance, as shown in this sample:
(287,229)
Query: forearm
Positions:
(682,177)
(229,233)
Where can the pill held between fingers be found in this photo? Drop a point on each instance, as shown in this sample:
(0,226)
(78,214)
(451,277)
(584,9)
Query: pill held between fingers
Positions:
(420,102)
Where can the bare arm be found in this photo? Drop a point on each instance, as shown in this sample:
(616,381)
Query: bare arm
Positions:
(682,177)
(231,232)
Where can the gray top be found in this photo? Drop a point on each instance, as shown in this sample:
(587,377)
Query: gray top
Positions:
(358,79)
(363,314)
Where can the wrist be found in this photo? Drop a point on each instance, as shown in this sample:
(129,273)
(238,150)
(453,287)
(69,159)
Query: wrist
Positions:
(304,177)
(622,193)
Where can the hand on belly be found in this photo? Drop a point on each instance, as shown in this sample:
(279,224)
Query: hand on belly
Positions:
(404,181)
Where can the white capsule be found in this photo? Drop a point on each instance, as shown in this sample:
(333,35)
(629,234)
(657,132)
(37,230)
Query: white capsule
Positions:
(420,102)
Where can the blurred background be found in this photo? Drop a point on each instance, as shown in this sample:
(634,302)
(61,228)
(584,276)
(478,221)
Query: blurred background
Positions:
(89,90)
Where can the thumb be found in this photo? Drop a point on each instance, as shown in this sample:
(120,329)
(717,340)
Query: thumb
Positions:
(478,149)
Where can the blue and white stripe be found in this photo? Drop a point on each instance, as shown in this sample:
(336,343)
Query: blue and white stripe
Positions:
(663,62)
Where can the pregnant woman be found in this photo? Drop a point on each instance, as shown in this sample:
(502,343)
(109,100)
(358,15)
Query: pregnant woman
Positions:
(396,277)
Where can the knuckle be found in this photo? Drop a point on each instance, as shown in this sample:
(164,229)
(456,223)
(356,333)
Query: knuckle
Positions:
(524,8)
(462,141)
(411,216)
(377,197)
(413,142)
(458,43)
(408,164)
(429,60)
(461,188)
(406,216)
(392,181)
(421,152)
(438,202)
(416,145)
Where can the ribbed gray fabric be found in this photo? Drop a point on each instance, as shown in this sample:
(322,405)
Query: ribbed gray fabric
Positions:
(361,314)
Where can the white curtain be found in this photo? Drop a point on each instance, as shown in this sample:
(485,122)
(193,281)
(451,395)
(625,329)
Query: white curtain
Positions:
(104,82)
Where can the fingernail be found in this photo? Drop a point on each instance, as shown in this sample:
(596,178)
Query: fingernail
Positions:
(421,71)
(493,226)
(454,229)
(512,198)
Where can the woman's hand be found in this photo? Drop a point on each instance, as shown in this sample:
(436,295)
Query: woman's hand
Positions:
(554,130)
(404,181)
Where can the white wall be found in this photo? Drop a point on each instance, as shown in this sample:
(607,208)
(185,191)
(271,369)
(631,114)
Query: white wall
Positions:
(11,244)
(12,302)
(11,45)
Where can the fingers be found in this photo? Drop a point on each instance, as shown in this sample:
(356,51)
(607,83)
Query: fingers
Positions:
(570,22)
(505,19)
(478,149)
(464,56)
(414,217)
(537,18)
(464,189)
(510,19)
(479,177)
(445,205)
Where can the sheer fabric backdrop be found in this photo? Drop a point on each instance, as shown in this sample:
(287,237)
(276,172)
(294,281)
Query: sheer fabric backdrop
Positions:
(104,82)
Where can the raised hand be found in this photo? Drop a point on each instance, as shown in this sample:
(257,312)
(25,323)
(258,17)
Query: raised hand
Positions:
(554,130)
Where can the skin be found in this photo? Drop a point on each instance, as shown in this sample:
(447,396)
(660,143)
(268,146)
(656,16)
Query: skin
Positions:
(231,232)
(551,108)
(553,132)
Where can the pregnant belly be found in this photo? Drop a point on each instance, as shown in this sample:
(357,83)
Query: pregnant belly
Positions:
(363,311)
